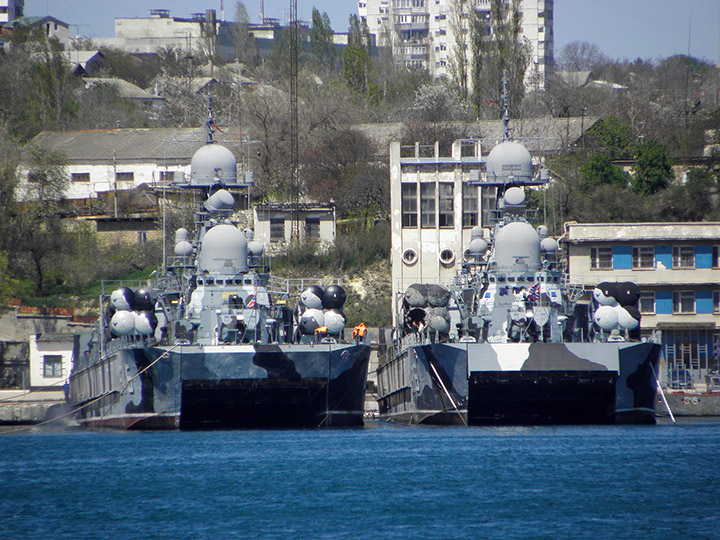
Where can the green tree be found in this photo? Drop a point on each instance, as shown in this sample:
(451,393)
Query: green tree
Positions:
(599,170)
(321,38)
(245,44)
(504,51)
(53,90)
(612,137)
(652,168)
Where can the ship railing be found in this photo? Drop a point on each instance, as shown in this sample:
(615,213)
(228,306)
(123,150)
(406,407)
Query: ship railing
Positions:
(294,286)
(128,342)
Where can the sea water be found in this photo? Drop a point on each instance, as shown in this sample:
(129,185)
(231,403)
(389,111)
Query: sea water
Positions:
(381,481)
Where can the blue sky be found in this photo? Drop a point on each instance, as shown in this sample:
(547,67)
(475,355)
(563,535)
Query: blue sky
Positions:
(648,29)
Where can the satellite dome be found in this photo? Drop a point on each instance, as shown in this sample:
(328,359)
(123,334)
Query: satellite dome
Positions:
(548,245)
(211,164)
(477,247)
(183,249)
(334,297)
(514,196)
(223,250)
(509,158)
(181,234)
(517,242)
(606,317)
(543,231)
(334,320)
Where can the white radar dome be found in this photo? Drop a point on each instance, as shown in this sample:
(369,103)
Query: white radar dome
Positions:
(517,242)
(548,245)
(122,323)
(509,158)
(211,164)
(514,196)
(223,250)
(335,321)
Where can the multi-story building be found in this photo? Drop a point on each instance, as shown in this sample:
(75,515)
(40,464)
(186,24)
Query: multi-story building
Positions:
(11,10)
(420,32)
(677,268)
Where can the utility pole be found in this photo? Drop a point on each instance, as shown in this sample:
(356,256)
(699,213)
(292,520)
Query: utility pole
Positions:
(295,189)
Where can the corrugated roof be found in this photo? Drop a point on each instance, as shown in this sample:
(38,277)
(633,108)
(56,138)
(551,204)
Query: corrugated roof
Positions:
(134,145)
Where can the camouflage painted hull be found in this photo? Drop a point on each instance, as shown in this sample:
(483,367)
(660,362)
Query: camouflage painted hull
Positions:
(219,387)
(520,383)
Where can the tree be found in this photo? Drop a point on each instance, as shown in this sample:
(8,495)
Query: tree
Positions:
(52,93)
(599,170)
(245,44)
(580,56)
(504,52)
(458,63)
(321,39)
(612,137)
(652,168)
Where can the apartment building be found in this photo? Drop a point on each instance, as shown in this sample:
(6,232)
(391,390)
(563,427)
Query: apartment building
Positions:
(11,10)
(421,34)
(677,267)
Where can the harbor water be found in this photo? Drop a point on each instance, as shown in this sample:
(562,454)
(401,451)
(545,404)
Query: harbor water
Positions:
(380,481)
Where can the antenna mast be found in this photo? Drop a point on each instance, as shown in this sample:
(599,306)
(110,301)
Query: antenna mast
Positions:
(506,114)
(295,195)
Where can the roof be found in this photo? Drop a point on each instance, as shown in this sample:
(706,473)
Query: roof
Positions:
(125,88)
(576,79)
(36,21)
(538,135)
(134,145)
(640,232)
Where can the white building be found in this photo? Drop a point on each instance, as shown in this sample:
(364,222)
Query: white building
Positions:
(316,222)
(103,161)
(11,10)
(200,33)
(50,359)
(421,34)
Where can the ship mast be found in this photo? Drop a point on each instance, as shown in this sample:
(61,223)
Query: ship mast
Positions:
(506,113)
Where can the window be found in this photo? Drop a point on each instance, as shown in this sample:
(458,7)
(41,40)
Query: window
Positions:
(52,365)
(445,210)
(427,205)
(80,177)
(409,205)
(683,257)
(716,257)
(601,258)
(647,302)
(643,257)
(716,302)
(277,229)
(470,206)
(684,302)
(312,228)
(141,237)
(125,177)
(167,176)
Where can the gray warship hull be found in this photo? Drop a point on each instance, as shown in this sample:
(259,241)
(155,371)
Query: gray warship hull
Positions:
(520,383)
(224,386)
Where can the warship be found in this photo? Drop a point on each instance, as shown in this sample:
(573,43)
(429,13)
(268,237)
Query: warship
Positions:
(509,339)
(214,340)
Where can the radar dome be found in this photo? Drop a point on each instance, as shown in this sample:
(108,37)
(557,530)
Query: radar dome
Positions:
(222,199)
(517,242)
(548,245)
(211,164)
(543,231)
(181,234)
(509,158)
(514,196)
(183,249)
(122,298)
(223,250)
(478,246)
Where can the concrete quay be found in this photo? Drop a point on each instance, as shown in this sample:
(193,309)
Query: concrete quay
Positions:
(26,407)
